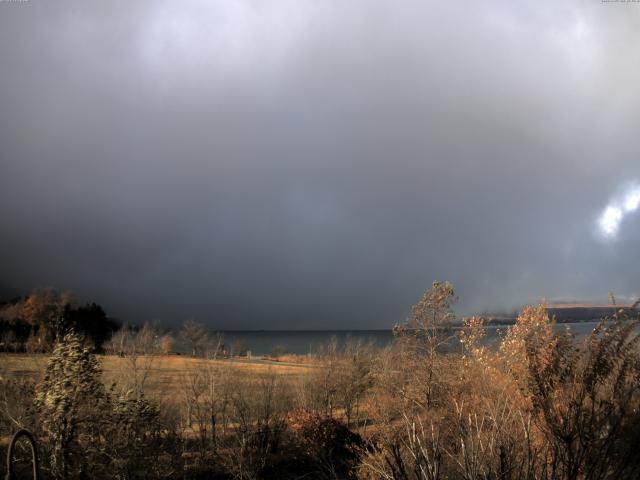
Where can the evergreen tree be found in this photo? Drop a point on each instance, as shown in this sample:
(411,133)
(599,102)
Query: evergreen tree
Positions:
(71,400)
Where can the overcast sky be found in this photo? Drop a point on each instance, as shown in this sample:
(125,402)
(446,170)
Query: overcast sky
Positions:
(317,164)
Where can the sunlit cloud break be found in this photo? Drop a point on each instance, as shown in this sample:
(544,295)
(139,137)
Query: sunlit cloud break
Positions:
(613,214)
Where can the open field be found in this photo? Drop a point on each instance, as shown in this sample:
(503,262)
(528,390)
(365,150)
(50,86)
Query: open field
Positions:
(165,373)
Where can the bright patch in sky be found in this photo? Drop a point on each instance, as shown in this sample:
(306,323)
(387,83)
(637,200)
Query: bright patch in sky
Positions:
(612,216)
(198,35)
(632,201)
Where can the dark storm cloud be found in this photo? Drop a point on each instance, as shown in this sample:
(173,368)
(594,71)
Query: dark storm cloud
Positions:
(315,164)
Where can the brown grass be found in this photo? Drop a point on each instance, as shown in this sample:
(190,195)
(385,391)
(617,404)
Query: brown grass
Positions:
(167,372)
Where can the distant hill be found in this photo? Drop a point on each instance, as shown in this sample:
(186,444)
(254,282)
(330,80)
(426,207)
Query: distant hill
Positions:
(567,313)
(583,313)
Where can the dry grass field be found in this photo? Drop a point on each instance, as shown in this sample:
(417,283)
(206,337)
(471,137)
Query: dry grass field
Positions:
(165,374)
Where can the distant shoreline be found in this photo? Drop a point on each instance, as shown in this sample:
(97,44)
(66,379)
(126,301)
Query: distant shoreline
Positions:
(566,313)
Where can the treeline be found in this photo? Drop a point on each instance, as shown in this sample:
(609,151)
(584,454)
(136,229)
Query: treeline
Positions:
(540,406)
(34,323)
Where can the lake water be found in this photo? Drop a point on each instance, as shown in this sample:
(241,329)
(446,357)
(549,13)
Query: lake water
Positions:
(301,342)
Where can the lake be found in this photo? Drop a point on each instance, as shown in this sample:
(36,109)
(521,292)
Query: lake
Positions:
(301,342)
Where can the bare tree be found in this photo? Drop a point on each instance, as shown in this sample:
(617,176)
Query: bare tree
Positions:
(206,397)
(423,336)
(138,351)
(195,335)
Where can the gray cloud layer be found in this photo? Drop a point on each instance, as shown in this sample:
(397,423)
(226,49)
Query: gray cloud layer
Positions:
(316,164)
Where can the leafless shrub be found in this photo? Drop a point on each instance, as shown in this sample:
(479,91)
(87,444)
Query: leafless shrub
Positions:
(206,397)
(141,442)
(587,401)
(340,380)
(406,451)
(258,411)
(16,405)
(325,446)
